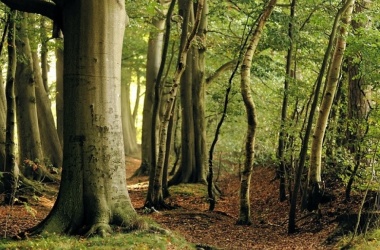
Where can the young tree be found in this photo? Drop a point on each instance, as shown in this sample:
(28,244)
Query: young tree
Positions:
(315,186)
(245,210)
(11,169)
(93,193)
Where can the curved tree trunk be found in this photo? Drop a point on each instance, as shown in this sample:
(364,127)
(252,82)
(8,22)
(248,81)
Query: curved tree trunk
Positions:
(245,85)
(27,122)
(93,193)
(315,185)
(310,119)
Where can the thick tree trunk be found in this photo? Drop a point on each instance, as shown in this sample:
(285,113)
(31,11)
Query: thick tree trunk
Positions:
(315,186)
(93,193)
(193,146)
(27,122)
(245,182)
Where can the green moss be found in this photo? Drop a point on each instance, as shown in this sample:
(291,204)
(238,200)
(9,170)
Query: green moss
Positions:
(138,240)
(191,190)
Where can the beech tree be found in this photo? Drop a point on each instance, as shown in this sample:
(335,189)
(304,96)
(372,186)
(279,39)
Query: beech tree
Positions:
(245,211)
(315,186)
(93,193)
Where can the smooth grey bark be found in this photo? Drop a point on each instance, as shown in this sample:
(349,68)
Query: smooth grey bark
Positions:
(51,146)
(27,122)
(309,124)
(315,185)
(154,56)
(245,180)
(129,130)
(11,171)
(93,193)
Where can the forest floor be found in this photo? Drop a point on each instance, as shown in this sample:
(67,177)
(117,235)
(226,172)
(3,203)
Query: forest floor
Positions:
(192,219)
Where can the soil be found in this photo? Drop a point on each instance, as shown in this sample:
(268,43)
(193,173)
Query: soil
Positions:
(216,229)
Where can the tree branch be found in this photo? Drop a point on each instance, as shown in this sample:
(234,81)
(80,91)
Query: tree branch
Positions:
(42,7)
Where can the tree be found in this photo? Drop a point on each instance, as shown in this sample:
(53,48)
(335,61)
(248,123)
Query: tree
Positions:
(154,56)
(11,168)
(30,147)
(93,193)
(315,185)
(245,211)
(193,133)
(155,191)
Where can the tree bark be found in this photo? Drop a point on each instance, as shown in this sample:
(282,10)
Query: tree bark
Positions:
(51,146)
(59,90)
(27,122)
(310,119)
(155,194)
(129,130)
(11,169)
(93,193)
(154,56)
(245,86)
(315,185)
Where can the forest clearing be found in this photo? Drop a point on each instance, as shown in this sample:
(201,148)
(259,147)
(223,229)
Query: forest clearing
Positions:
(216,230)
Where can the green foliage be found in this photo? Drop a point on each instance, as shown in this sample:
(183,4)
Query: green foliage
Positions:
(136,240)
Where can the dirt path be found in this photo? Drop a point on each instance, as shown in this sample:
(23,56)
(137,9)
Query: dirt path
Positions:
(192,220)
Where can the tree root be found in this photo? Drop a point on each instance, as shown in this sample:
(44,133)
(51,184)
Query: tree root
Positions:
(101,229)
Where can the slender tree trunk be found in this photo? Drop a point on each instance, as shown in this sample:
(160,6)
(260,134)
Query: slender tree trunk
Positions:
(44,53)
(129,131)
(315,185)
(59,89)
(149,132)
(282,172)
(27,122)
(245,182)
(310,119)
(51,145)
(11,169)
(155,194)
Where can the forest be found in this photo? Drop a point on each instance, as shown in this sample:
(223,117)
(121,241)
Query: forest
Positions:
(189,124)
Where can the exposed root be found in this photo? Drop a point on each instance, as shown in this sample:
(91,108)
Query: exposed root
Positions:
(101,229)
